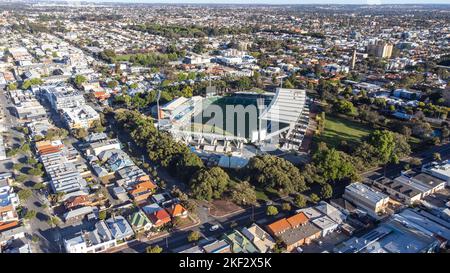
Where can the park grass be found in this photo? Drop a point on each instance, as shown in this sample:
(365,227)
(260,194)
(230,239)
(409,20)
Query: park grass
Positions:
(338,129)
(261,195)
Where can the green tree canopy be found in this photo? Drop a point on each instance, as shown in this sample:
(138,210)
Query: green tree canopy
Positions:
(208,184)
(243,194)
(275,172)
(271,210)
(332,164)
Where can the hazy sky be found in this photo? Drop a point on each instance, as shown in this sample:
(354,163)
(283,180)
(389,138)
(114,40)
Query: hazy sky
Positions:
(282,1)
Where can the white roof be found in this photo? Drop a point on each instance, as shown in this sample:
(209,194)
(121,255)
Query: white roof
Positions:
(286,106)
(324,222)
(366,192)
(170,106)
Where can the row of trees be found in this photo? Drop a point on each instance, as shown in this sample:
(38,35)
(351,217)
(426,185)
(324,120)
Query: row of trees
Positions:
(379,148)
(176,31)
(160,146)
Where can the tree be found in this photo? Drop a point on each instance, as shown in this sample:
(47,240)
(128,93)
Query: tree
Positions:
(24,194)
(112,84)
(31,160)
(286,206)
(275,172)
(154,249)
(243,194)
(345,107)
(415,161)
(437,157)
(390,147)
(333,165)
(288,84)
(35,172)
(21,178)
(314,198)
(194,236)
(30,214)
(199,48)
(31,82)
(39,186)
(79,80)
(97,126)
(300,201)
(326,192)
(80,133)
(271,211)
(207,184)
(102,215)
(56,134)
(18,166)
(53,221)
(187,164)
(12,86)
(244,83)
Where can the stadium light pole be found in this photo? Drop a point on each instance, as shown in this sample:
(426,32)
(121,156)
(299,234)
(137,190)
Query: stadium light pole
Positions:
(158,96)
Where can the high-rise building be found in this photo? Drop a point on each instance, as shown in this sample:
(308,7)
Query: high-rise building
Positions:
(380,50)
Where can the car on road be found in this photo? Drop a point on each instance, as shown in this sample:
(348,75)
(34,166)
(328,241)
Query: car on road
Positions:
(299,250)
(214,228)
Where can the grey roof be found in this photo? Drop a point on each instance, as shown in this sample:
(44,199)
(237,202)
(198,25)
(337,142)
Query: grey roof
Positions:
(396,235)
(425,223)
(294,235)
(216,246)
(119,227)
(78,212)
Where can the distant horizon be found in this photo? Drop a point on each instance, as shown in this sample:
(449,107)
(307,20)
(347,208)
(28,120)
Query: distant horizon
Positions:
(267,2)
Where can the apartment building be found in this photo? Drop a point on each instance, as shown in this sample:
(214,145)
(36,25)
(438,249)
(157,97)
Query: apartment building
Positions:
(82,116)
(63,97)
(380,50)
(366,198)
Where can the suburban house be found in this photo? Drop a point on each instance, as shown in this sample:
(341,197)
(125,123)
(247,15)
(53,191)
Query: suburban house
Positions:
(239,243)
(294,231)
(160,218)
(177,210)
(260,239)
(141,191)
(218,246)
(139,221)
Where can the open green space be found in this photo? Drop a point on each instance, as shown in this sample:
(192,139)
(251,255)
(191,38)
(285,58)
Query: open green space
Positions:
(339,129)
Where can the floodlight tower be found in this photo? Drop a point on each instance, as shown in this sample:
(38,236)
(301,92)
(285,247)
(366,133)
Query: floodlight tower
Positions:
(158,96)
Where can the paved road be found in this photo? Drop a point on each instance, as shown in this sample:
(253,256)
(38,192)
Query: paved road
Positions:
(177,240)
(37,202)
(392,171)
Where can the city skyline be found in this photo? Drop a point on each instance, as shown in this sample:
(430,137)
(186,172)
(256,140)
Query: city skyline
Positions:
(271,2)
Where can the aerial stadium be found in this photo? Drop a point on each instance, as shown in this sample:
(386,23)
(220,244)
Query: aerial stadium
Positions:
(225,124)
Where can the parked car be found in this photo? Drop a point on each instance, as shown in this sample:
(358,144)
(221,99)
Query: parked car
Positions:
(214,228)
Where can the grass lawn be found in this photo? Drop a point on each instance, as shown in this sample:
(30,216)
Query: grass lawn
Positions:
(261,195)
(338,129)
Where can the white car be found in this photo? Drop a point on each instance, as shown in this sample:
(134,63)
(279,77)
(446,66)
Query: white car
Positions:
(213,228)
(299,250)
